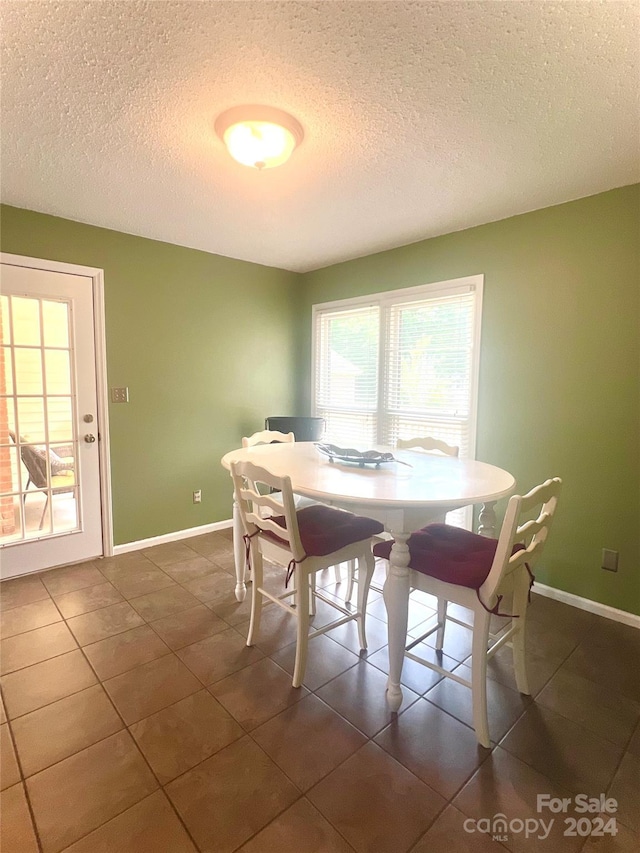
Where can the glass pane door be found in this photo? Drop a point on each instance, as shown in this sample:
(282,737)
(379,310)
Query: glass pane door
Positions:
(38,458)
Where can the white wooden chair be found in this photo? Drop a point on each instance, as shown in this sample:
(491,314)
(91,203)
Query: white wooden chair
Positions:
(267,436)
(476,572)
(306,541)
(429,445)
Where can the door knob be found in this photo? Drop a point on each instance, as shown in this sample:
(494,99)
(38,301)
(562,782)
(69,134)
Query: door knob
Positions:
(89,438)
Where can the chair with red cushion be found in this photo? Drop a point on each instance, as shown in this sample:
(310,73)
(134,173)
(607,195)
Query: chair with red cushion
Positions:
(307,541)
(427,445)
(478,573)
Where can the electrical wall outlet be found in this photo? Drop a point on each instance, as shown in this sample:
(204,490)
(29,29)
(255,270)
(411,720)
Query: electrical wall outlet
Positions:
(197,496)
(119,395)
(609,560)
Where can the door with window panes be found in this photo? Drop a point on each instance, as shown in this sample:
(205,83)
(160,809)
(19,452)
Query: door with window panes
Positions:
(50,501)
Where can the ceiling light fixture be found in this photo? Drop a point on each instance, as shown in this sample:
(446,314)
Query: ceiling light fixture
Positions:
(258,136)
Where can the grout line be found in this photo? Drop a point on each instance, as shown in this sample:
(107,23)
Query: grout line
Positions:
(303,795)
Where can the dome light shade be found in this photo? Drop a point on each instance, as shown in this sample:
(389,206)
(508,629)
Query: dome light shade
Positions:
(259,136)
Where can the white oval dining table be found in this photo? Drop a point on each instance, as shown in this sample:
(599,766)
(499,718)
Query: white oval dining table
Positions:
(403,497)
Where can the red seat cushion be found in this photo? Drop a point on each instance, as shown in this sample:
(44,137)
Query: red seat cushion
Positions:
(324,530)
(449,554)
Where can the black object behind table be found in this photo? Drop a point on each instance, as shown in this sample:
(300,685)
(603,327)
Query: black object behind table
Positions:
(304,429)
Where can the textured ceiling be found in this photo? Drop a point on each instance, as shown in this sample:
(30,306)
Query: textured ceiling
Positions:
(420,118)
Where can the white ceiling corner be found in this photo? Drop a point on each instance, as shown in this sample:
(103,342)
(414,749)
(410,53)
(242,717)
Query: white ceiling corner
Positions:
(420,118)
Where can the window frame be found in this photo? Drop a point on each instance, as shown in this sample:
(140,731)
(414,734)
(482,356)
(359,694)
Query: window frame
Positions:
(384,300)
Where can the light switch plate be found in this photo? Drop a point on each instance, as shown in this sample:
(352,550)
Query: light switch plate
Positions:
(119,395)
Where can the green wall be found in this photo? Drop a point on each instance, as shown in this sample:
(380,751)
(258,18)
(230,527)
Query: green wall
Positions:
(560,366)
(206,346)
(559,376)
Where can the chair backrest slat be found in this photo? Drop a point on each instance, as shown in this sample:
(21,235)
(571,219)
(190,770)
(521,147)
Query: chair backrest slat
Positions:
(267,436)
(247,478)
(429,444)
(531,533)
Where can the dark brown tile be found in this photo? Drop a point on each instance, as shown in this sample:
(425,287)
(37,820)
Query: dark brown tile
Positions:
(168,553)
(149,688)
(179,737)
(71,578)
(377,805)
(163,602)
(325,660)
(215,588)
(232,795)
(87,599)
(38,685)
(150,826)
(100,624)
(218,656)
(34,646)
(20,591)
(448,835)
(189,626)
(626,790)
(603,712)
(235,612)
(16,829)
(301,828)
(308,740)
(256,693)
(625,840)
(551,643)
(125,651)
(418,614)
(563,751)
(347,636)
(69,725)
(598,659)
(225,561)
(415,676)
(505,785)
(28,617)
(211,544)
(10,773)
(560,618)
(540,668)
(359,695)
(439,749)
(136,576)
(457,640)
(87,789)
(124,564)
(188,570)
(277,630)
(504,705)
(634,744)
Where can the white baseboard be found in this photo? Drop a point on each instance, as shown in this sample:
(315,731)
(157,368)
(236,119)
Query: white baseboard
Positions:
(542,589)
(586,604)
(139,544)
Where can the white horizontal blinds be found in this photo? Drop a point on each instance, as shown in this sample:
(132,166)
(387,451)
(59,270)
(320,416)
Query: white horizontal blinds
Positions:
(428,363)
(346,374)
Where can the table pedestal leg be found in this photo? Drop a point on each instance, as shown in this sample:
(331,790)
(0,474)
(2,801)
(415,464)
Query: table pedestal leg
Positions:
(239,554)
(396,599)
(488,522)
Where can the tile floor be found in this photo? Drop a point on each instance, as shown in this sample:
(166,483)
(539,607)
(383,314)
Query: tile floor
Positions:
(135,719)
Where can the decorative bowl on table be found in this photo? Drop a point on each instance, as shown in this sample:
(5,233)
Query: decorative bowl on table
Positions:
(356,457)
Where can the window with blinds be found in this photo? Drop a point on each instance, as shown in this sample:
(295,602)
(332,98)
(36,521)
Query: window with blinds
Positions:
(400,364)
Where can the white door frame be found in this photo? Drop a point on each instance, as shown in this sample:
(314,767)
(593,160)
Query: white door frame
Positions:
(97,280)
